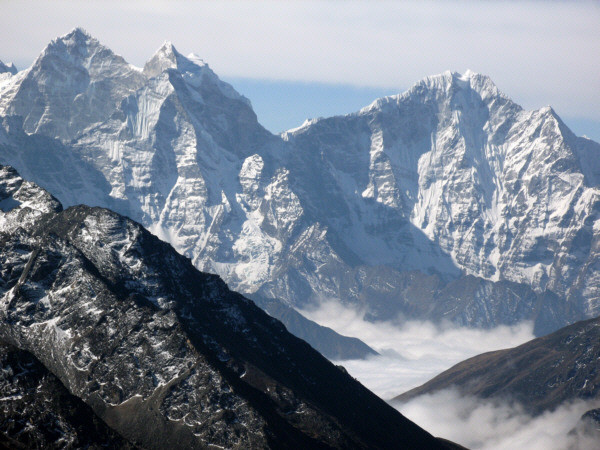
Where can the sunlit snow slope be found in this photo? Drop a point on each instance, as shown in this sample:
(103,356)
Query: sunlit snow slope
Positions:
(447,201)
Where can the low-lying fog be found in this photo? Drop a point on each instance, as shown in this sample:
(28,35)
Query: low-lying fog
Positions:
(414,352)
(491,425)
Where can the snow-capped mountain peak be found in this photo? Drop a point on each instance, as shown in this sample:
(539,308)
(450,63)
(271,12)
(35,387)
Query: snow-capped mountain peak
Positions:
(166,57)
(78,49)
(448,88)
(76,41)
(79,82)
(451,180)
(455,85)
(192,68)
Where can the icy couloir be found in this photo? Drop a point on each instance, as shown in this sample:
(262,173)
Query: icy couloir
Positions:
(447,201)
(163,353)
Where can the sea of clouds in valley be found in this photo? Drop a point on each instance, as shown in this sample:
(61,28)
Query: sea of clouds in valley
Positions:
(413,352)
(493,425)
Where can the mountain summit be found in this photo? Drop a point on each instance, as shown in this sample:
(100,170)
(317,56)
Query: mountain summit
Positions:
(78,81)
(192,67)
(448,201)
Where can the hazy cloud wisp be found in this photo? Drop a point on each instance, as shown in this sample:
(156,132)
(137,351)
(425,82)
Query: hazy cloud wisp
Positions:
(497,425)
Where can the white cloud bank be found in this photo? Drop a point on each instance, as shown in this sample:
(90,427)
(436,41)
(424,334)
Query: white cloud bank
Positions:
(487,425)
(538,52)
(415,352)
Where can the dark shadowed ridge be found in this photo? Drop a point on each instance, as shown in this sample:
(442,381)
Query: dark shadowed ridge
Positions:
(329,343)
(162,353)
(38,412)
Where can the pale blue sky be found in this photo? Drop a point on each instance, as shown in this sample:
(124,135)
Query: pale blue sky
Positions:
(281,105)
(307,59)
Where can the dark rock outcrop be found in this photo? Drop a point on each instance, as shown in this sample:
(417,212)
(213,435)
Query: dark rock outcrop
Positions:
(162,353)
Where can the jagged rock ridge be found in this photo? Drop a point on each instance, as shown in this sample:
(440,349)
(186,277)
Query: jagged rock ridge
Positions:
(162,353)
(7,68)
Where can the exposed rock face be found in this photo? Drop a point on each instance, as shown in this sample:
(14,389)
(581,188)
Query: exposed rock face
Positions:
(38,412)
(540,374)
(449,184)
(9,69)
(163,353)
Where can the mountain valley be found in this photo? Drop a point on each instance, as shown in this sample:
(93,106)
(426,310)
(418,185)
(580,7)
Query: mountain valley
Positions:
(161,251)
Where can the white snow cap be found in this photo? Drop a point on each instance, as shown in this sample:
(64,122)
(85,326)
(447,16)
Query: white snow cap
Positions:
(468,74)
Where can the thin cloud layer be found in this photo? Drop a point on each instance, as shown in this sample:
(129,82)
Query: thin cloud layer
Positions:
(413,352)
(480,424)
(538,52)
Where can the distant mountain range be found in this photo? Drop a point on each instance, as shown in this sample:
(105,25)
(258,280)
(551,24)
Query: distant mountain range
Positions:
(448,201)
(109,337)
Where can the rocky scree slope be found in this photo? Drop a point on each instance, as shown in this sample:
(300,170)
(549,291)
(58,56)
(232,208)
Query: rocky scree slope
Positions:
(38,412)
(446,202)
(160,352)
